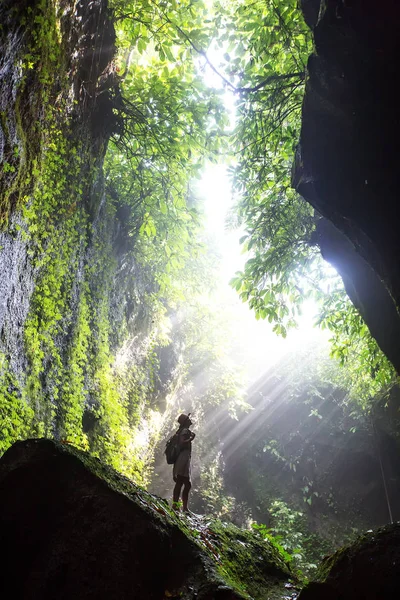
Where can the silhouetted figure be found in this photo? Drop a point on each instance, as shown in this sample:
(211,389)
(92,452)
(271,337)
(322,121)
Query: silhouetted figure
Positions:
(181,472)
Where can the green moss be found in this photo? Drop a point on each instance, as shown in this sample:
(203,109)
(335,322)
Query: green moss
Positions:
(55,227)
(57,231)
(63,378)
(112,434)
(41,61)
(136,381)
(345,553)
(15,416)
(254,566)
(72,401)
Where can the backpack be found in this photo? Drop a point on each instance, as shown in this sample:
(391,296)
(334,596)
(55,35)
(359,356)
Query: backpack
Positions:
(173,448)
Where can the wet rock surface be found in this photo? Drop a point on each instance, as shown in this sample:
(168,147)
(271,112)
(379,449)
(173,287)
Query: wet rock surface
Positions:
(16,287)
(70,534)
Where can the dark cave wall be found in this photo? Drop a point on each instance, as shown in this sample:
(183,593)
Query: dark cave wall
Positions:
(364,287)
(346,164)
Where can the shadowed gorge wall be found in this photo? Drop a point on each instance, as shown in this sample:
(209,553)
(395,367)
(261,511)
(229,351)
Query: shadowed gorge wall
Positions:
(346,164)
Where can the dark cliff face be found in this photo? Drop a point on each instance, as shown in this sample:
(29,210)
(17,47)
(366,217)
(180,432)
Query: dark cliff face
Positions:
(346,165)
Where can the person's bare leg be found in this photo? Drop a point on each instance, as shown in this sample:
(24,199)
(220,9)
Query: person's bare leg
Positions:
(176,493)
(185,494)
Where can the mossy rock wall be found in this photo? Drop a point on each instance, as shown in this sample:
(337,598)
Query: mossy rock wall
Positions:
(70,292)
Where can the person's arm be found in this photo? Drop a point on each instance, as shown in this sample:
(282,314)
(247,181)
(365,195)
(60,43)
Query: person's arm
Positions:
(185,437)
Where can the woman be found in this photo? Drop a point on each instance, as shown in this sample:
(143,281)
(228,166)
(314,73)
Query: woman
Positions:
(181,472)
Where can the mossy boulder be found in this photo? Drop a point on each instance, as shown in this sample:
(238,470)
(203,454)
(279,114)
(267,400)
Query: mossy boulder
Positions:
(72,527)
(252,564)
(368,569)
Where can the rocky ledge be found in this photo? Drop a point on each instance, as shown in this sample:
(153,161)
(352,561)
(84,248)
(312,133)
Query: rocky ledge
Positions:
(365,570)
(72,527)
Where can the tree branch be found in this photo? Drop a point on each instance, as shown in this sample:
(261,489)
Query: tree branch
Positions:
(272,78)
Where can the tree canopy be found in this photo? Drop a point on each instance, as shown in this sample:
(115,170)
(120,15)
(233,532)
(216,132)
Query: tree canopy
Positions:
(173,122)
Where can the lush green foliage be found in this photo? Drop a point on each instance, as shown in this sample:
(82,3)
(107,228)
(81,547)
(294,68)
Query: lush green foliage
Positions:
(271,66)
(76,388)
(290,531)
(171,121)
(140,246)
(15,416)
(268,50)
(367,373)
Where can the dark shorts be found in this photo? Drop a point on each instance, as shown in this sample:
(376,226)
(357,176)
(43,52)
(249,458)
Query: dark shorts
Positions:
(182,479)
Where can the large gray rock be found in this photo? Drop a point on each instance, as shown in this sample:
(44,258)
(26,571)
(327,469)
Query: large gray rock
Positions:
(72,528)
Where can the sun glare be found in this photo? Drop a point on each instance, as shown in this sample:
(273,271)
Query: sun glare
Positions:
(256,346)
